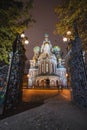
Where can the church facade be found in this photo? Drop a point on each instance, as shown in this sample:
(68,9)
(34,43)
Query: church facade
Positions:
(46,69)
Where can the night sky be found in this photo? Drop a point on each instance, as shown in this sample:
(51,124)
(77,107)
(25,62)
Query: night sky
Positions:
(43,13)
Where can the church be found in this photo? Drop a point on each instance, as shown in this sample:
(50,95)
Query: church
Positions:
(46,67)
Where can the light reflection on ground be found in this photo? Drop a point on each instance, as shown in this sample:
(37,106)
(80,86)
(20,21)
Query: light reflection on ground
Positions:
(39,94)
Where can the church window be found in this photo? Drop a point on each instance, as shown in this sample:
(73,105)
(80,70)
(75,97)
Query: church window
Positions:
(39,68)
(46,67)
(31,73)
(52,68)
(42,68)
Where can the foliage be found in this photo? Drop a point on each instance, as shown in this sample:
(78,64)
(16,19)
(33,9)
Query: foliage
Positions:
(14,18)
(68,11)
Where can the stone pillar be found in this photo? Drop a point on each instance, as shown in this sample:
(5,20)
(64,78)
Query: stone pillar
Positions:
(77,71)
(13,94)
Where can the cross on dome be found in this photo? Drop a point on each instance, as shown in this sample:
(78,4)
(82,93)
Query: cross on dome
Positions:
(46,35)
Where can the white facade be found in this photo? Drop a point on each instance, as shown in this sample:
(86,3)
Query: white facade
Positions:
(45,67)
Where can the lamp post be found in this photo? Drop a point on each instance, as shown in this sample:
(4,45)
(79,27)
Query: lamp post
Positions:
(13,93)
(67,39)
(24,39)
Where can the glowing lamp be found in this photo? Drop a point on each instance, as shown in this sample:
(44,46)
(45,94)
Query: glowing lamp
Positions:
(28,75)
(22,35)
(26,42)
(65,39)
(69,33)
(66,75)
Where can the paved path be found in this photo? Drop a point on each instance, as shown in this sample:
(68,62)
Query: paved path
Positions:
(57,113)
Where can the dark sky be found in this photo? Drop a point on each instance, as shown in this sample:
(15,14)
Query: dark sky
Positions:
(43,13)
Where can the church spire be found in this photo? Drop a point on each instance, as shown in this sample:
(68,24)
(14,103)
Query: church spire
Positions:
(46,37)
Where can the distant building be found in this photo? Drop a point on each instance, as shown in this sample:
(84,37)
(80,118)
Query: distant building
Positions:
(47,67)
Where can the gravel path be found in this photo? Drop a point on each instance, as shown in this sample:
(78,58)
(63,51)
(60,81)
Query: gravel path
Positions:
(57,113)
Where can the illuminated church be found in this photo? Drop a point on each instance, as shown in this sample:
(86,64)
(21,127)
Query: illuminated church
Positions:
(46,68)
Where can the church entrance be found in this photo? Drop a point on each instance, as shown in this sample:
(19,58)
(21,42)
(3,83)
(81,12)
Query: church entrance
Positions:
(47,83)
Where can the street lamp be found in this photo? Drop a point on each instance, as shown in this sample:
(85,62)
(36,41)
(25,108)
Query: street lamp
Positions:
(22,35)
(68,36)
(69,33)
(24,38)
(68,40)
(26,42)
(65,39)
(28,75)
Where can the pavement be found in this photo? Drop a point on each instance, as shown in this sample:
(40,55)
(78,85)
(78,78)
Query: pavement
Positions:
(57,113)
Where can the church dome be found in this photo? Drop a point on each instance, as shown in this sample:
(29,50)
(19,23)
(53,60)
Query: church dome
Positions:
(60,67)
(56,48)
(36,49)
(46,46)
(46,35)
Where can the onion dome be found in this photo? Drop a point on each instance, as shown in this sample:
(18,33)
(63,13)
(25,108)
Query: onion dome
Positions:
(60,66)
(46,41)
(56,48)
(46,46)
(46,35)
(36,49)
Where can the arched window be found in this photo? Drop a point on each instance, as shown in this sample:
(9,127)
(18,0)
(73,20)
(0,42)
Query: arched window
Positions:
(52,83)
(42,68)
(42,83)
(37,83)
(47,69)
(53,68)
(47,83)
(39,71)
